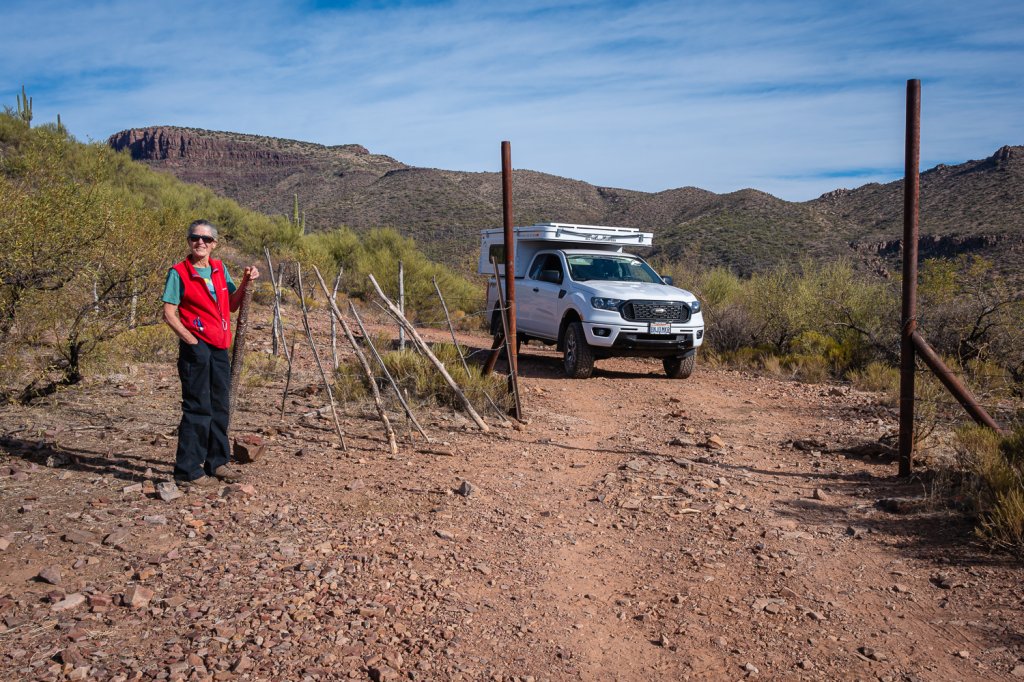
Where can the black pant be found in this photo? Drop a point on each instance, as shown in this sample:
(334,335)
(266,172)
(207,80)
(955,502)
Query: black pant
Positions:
(205,374)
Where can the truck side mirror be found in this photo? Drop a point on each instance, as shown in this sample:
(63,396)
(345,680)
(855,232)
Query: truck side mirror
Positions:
(667,279)
(552,276)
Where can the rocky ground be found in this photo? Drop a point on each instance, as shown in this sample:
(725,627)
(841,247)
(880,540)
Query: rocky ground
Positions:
(635,528)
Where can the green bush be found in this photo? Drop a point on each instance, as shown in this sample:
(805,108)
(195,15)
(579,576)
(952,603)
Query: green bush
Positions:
(996,467)
(417,377)
(878,377)
(152,343)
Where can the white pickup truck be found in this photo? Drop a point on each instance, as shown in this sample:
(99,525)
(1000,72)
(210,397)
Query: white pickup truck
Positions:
(578,290)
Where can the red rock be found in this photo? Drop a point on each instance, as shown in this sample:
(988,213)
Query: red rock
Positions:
(99,602)
(69,602)
(79,537)
(117,537)
(138,596)
(50,574)
(243,664)
(245,451)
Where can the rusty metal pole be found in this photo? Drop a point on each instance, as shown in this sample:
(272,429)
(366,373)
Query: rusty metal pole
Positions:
(953,385)
(510,270)
(908,316)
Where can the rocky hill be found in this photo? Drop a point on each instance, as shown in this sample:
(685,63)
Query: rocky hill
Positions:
(970,208)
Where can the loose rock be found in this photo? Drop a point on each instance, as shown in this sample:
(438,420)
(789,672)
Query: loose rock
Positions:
(51,575)
(69,602)
(168,491)
(137,596)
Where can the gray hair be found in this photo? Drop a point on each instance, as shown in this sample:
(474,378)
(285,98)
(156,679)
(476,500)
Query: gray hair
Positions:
(201,223)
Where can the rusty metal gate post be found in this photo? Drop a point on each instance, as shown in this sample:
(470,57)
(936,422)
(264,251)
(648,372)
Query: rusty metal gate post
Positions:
(510,274)
(908,316)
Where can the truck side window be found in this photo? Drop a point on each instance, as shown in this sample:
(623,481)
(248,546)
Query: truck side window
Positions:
(547,268)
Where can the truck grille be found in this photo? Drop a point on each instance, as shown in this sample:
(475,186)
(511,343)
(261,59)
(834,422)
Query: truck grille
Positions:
(652,311)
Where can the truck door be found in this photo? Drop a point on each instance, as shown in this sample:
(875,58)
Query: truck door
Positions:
(543,285)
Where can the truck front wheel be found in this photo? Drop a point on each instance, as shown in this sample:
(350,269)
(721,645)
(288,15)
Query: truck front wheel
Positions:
(579,358)
(679,368)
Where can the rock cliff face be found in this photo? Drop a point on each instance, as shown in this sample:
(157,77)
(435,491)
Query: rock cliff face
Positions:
(182,147)
(972,208)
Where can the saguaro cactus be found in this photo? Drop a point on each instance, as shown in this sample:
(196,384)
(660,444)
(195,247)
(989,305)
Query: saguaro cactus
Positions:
(25,107)
(298,220)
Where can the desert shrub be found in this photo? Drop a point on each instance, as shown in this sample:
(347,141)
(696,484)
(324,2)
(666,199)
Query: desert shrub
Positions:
(773,365)
(996,469)
(730,329)
(81,255)
(878,377)
(263,292)
(260,369)
(747,356)
(810,369)
(152,343)
(350,385)
(971,313)
(378,252)
(826,310)
(417,377)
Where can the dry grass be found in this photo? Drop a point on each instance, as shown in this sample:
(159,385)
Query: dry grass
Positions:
(420,381)
(996,484)
(878,377)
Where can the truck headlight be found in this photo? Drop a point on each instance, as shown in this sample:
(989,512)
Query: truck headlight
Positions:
(605,303)
(695,307)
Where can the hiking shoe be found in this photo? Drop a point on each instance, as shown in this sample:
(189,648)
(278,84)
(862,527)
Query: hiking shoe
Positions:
(225,473)
(201,483)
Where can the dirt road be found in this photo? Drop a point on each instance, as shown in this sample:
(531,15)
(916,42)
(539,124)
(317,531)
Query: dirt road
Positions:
(635,528)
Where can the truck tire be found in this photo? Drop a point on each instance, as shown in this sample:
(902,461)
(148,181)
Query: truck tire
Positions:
(679,368)
(579,359)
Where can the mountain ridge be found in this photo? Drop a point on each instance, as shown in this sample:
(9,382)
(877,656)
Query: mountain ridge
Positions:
(973,207)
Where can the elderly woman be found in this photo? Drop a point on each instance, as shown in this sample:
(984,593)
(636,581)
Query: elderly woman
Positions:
(199,298)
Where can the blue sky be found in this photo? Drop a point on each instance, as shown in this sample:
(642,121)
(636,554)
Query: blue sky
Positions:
(792,98)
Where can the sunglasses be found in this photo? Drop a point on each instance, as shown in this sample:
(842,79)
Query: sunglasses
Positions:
(207,239)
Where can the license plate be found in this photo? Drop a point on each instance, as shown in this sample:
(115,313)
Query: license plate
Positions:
(660,328)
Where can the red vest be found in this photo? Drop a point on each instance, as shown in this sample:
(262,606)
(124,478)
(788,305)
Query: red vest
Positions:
(206,318)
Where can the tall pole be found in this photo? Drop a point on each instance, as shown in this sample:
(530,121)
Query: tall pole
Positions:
(510,268)
(908,316)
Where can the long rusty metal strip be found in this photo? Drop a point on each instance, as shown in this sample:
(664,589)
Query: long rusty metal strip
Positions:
(908,313)
(510,276)
(962,394)
(510,347)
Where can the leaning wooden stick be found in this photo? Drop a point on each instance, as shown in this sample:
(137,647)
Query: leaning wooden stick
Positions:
(316,356)
(387,374)
(276,318)
(334,323)
(278,297)
(361,357)
(288,379)
(458,349)
(418,340)
(401,304)
(238,351)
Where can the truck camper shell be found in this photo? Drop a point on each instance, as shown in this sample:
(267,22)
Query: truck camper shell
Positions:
(529,240)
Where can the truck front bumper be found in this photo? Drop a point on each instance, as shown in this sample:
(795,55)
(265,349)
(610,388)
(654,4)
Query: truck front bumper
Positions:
(608,340)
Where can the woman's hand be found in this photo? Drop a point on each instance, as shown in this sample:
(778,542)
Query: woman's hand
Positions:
(251,272)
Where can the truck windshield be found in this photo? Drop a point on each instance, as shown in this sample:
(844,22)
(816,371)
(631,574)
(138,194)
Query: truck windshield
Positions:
(611,268)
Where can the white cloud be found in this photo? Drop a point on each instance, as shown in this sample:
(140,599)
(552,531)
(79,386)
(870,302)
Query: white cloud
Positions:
(781,96)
